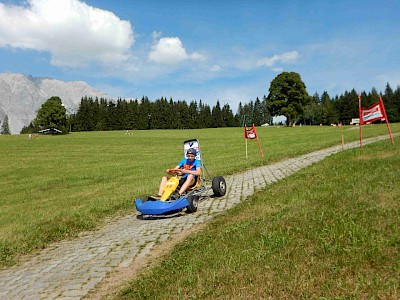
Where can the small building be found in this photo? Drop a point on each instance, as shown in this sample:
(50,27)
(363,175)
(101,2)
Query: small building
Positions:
(50,131)
(355,121)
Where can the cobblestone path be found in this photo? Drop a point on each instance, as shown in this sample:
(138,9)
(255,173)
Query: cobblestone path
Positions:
(70,269)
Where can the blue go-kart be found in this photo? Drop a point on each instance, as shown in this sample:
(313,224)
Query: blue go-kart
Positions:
(170,202)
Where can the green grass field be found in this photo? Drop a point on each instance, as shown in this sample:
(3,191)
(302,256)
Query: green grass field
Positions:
(330,231)
(53,187)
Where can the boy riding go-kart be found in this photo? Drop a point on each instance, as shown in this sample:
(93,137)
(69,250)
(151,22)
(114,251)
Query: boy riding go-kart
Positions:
(186,186)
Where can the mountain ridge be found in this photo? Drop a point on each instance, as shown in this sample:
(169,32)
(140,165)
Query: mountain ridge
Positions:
(21,96)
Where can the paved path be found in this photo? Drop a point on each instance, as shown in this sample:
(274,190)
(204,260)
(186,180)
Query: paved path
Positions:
(70,269)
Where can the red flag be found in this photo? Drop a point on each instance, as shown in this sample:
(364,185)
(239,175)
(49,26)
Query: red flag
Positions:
(372,113)
(251,133)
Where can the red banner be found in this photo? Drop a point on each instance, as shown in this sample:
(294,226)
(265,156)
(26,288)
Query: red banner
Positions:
(251,133)
(373,113)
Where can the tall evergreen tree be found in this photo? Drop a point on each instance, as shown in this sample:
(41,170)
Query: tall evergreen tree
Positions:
(238,115)
(121,115)
(183,114)
(390,104)
(241,117)
(85,117)
(312,111)
(145,116)
(396,104)
(193,111)
(133,114)
(174,115)
(347,106)
(217,116)
(372,98)
(227,116)
(248,113)
(258,113)
(101,119)
(5,127)
(327,109)
(205,116)
(112,116)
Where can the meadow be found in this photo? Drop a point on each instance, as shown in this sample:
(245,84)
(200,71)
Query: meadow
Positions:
(54,187)
(330,231)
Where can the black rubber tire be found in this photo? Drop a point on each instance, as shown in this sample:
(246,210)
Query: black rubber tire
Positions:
(219,186)
(193,204)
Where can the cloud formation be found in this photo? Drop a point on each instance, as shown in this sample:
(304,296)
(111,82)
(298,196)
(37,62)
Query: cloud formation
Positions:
(287,57)
(74,33)
(170,51)
(216,68)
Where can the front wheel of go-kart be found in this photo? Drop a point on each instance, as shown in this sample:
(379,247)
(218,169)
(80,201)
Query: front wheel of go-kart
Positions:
(219,186)
(193,204)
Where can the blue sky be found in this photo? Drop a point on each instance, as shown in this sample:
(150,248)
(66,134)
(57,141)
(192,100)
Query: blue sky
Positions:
(210,50)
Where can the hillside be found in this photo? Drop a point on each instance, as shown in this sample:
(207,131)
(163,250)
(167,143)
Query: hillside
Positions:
(21,96)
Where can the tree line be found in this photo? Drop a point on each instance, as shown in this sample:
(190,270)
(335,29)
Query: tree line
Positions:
(287,96)
(102,114)
(341,109)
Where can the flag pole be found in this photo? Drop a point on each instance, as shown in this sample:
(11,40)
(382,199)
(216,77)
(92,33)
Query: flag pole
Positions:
(259,146)
(360,118)
(386,119)
(246,148)
(245,137)
(258,140)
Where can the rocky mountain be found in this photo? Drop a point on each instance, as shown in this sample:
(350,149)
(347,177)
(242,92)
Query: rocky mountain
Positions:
(22,96)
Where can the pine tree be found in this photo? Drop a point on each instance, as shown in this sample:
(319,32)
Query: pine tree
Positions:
(5,128)
(390,105)
(193,115)
(258,113)
(227,116)
(312,111)
(396,103)
(327,109)
(217,116)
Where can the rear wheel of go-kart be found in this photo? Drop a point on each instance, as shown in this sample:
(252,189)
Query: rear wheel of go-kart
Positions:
(219,186)
(193,203)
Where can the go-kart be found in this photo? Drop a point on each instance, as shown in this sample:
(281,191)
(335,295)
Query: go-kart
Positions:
(171,202)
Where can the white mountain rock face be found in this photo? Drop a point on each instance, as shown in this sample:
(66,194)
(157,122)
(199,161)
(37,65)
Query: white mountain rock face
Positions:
(22,96)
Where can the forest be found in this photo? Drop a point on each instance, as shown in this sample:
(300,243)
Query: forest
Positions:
(100,114)
(287,96)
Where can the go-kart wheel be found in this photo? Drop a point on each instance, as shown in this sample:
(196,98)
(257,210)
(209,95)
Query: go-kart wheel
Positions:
(193,204)
(219,186)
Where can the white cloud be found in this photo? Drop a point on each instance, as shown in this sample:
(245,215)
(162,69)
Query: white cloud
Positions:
(277,70)
(287,57)
(74,33)
(216,68)
(156,34)
(197,56)
(169,50)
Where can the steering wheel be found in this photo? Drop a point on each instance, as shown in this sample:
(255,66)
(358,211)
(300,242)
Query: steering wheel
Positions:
(177,172)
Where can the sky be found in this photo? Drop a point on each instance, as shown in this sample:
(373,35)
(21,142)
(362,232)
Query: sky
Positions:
(225,50)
